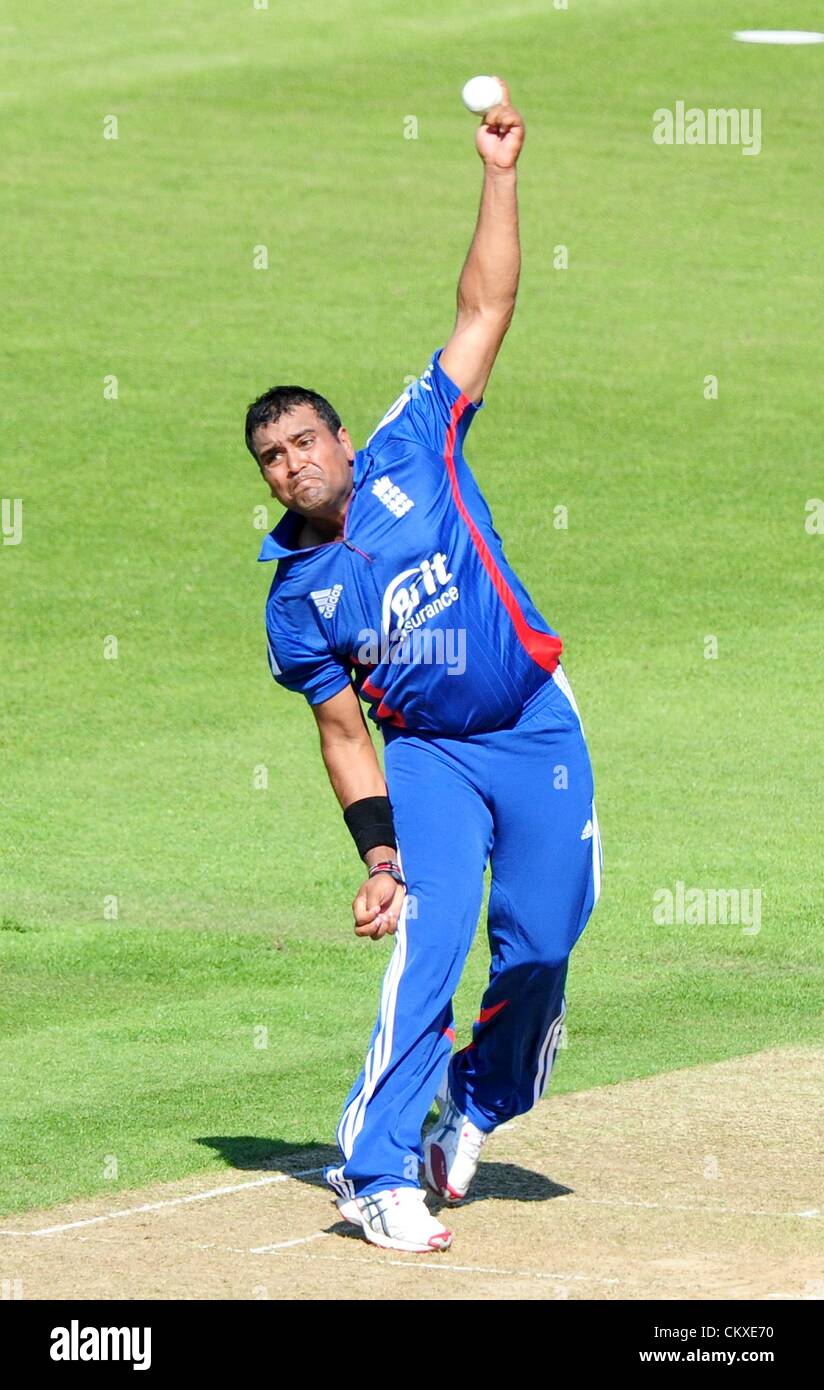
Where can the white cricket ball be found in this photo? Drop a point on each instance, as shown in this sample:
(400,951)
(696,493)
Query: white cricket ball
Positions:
(480,94)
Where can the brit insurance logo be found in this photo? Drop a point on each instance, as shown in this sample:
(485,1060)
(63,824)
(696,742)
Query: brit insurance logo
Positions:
(410,600)
(326,600)
(391,496)
(417,594)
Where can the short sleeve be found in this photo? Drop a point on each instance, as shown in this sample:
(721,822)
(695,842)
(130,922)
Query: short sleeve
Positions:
(299,661)
(426,411)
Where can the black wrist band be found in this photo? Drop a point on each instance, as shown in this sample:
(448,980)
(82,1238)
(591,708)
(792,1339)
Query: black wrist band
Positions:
(370,823)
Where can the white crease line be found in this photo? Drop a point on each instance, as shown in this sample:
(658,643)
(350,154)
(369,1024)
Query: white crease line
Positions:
(812,1214)
(167,1202)
(285,1244)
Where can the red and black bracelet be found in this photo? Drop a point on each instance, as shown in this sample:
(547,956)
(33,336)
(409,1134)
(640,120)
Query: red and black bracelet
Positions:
(391,867)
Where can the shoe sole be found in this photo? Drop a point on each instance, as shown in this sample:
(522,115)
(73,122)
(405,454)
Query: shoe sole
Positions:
(351,1212)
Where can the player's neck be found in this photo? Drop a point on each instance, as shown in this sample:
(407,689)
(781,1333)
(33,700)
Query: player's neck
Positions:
(320,530)
(310,535)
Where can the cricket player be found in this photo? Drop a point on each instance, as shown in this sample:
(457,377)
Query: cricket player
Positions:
(392,588)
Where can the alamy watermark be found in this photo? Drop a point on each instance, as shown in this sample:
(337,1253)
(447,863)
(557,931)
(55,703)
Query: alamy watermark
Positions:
(426,646)
(77,1342)
(11,520)
(690,125)
(699,907)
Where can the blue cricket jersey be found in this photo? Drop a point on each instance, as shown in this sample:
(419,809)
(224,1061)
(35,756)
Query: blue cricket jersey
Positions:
(415,604)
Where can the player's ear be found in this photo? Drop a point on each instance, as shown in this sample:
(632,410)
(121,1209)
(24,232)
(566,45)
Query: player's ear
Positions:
(343,438)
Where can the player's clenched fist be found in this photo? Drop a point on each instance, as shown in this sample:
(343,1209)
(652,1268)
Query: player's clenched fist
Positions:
(501,133)
(377,907)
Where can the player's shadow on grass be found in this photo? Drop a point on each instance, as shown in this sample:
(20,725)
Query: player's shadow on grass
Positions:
(250,1153)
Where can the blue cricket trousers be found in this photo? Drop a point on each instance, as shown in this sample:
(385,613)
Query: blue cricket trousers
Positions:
(524,796)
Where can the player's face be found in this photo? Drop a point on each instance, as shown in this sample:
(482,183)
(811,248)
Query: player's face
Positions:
(307,467)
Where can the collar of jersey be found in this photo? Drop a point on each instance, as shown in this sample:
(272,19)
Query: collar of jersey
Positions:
(278,544)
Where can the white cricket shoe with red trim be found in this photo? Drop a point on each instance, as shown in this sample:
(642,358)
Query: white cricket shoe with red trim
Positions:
(452,1151)
(397,1219)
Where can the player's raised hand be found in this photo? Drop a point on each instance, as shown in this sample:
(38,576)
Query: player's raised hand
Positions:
(377,907)
(501,134)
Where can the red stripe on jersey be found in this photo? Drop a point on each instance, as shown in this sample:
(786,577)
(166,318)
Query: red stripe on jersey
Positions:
(392,716)
(543,648)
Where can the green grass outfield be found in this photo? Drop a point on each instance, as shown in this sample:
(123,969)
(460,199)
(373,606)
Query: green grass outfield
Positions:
(133,778)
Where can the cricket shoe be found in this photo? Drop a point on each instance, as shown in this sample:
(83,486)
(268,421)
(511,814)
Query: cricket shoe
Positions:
(397,1219)
(452,1151)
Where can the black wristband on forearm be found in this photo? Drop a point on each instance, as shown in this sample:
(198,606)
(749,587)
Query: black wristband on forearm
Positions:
(370,823)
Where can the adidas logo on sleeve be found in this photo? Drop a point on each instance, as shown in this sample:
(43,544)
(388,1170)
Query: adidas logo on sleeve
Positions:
(326,600)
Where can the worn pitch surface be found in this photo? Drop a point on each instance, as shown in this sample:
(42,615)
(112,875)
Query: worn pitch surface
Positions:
(699,1183)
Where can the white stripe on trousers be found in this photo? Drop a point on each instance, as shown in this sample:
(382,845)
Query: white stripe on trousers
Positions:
(547,1056)
(560,677)
(597,857)
(381,1050)
(549,1046)
(343,1186)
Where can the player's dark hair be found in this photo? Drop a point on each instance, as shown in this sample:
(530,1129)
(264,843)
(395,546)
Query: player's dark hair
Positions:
(277,401)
